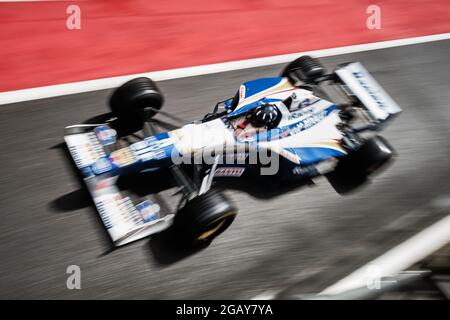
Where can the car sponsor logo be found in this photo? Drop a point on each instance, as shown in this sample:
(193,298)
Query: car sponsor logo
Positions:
(152,149)
(101,165)
(122,157)
(308,122)
(156,155)
(359,75)
(296,127)
(229,172)
(308,101)
(302,113)
(304,171)
(241,93)
(160,144)
(105,135)
(148,210)
(116,211)
(139,146)
(101,207)
(85,152)
(102,185)
(299,110)
(87,171)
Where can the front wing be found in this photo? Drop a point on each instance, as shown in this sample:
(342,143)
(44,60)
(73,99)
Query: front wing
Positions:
(126,217)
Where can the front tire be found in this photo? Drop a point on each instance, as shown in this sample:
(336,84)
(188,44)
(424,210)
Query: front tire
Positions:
(204,217)
(305,68)
(129,101)
(353,170)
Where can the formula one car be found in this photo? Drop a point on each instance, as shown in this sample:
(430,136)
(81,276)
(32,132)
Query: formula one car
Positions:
(305,123)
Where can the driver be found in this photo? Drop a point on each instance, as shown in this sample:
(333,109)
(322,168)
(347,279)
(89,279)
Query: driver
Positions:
(266,115)
(263,117)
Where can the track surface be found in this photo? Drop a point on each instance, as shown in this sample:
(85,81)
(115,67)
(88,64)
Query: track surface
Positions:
(310,235)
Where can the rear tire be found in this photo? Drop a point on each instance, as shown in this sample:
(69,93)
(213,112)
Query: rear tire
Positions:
(305,68)
(205,217)
(353,170)
(128,102)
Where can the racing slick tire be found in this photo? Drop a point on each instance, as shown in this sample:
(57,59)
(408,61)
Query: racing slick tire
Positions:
(305,68)
(129,101)
(204,217)
(353,170)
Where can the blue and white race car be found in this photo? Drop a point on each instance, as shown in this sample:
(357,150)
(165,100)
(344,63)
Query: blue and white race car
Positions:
(305,123)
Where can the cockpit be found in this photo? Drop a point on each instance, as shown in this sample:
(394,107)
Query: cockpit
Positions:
(262,105)
(262,118)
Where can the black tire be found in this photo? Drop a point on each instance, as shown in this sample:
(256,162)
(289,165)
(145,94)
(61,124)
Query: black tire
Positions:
(305,68)
(353,170)
(129,100)
(204,217)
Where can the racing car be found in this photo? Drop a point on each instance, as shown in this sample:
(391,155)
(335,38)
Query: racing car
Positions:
(299,125)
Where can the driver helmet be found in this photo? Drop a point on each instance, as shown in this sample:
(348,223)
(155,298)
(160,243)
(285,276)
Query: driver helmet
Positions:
(265,115)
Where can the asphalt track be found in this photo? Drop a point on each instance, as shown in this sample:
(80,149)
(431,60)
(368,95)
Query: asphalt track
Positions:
(310,237)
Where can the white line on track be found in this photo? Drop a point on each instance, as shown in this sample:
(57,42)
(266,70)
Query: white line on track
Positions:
(107,83)
(397,259)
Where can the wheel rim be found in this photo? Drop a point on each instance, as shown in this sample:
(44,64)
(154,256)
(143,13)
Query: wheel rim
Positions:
(217,226)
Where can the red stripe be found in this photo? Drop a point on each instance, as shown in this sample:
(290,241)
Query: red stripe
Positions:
(123,37)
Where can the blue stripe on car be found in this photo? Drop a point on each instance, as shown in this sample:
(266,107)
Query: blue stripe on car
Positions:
(256,86)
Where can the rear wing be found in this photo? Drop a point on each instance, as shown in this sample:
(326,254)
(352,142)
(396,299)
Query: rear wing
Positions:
(359,84)
(126,217)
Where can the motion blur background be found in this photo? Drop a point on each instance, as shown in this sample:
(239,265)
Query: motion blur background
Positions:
(298,242)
